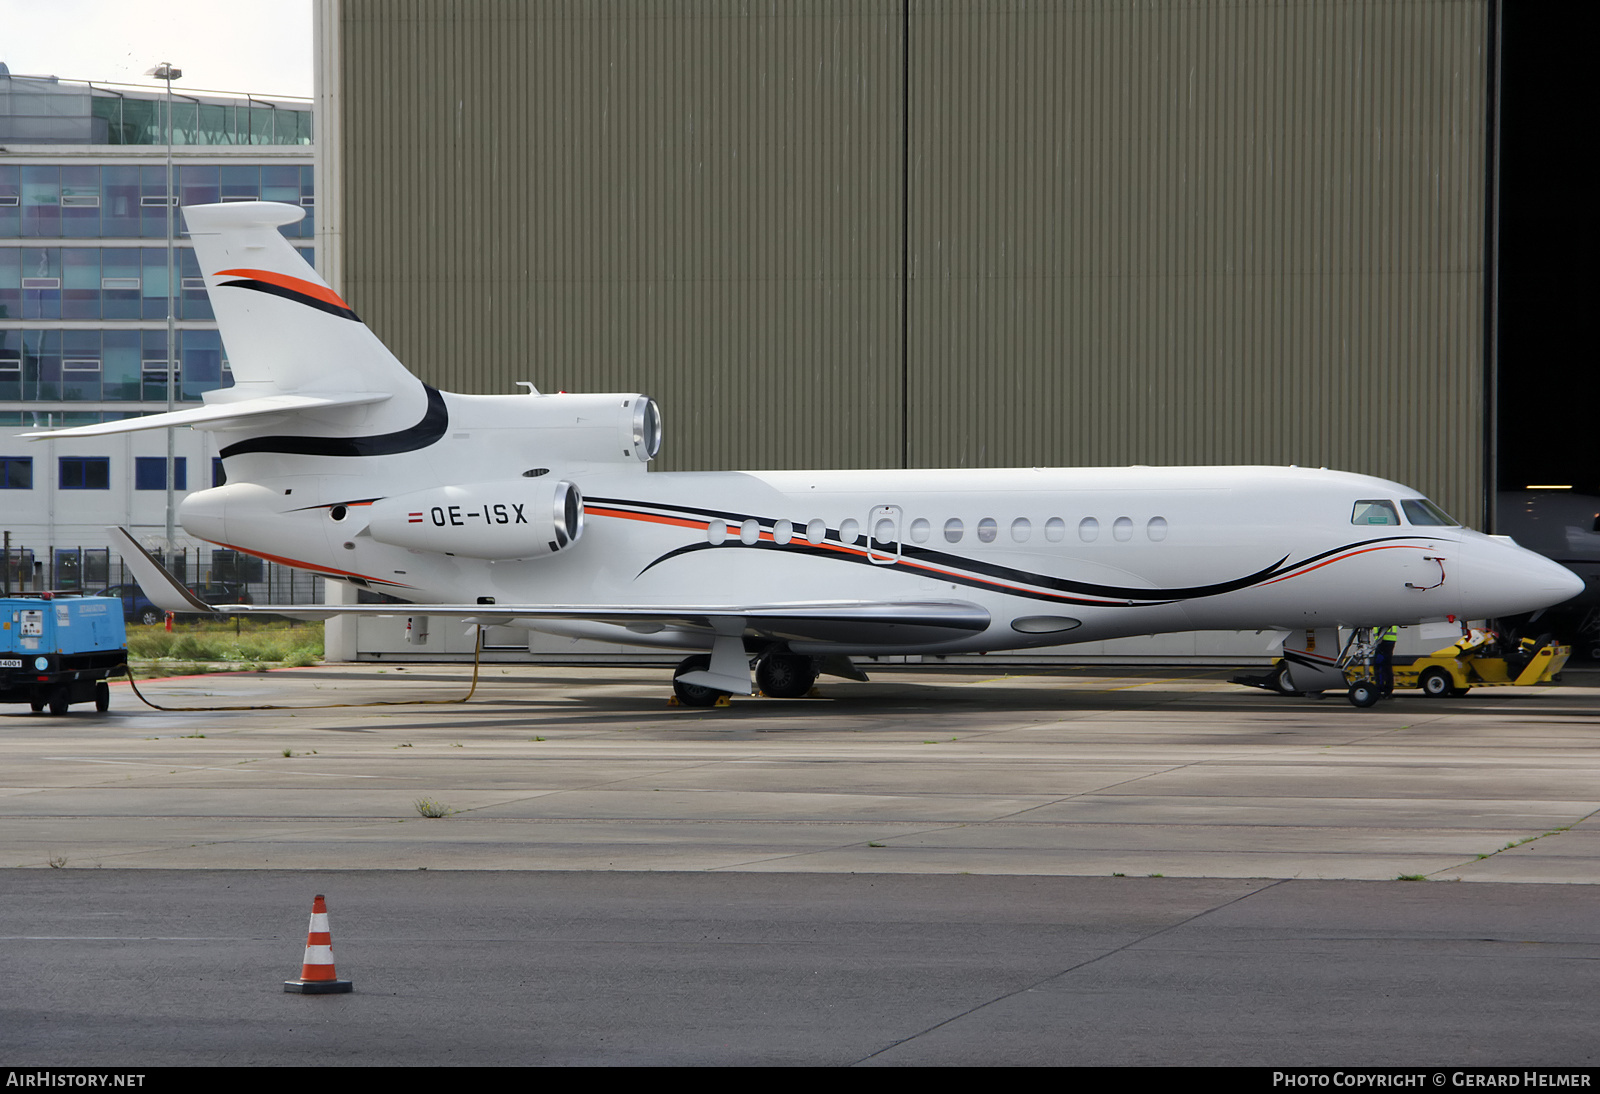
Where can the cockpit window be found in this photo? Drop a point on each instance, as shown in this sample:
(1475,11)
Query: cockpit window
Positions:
(1374,512)
(1421,511)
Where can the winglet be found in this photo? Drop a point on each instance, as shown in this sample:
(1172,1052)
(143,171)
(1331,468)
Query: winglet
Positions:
(164,590)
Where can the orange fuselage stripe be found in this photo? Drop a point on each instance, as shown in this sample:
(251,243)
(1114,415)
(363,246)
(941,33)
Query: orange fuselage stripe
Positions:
(302,565)
(1341,558)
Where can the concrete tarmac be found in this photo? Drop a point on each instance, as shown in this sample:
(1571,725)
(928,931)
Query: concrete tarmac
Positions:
(935,867)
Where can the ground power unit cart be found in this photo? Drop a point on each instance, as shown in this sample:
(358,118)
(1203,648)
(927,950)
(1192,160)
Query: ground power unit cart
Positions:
(60,650)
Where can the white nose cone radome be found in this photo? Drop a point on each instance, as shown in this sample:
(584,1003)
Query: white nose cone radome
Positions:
(1501,579)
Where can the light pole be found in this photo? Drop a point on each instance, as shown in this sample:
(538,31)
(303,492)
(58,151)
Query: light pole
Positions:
(165,71)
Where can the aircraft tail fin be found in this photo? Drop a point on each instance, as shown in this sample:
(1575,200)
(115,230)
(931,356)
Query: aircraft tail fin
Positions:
(282,326)
(293,345)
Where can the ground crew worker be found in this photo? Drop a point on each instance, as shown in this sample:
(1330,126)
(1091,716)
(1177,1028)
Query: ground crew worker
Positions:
(1383,658)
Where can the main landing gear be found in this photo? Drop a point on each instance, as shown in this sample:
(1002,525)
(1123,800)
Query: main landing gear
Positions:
(778,675)
(785,675)
(695,695)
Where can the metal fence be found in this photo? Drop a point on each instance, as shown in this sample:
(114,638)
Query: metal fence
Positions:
(226,575)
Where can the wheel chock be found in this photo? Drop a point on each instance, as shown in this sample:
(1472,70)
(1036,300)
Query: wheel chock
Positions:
(724,701)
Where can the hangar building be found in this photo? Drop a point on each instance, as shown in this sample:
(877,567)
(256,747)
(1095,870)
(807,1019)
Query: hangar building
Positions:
(923,233)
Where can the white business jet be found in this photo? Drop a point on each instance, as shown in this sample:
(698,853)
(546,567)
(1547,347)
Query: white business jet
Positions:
(539,511)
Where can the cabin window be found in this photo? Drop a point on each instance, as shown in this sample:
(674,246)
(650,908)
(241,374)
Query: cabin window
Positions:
(1122,529)
(816,531)
(953,529)
(920,530)
(1156,529)
(1021,529)
(716,532)
(883,534)
(1088,529)
(750,532)
(849,531)
(782,531)
(1423,512)
(987,529)
(1055,529)
(1374,512)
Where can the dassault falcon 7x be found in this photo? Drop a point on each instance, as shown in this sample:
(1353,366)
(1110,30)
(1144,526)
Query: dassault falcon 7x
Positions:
(539,511)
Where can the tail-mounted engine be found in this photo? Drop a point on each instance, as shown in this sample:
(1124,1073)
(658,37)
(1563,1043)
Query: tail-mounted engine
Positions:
(578,430)
(514,519)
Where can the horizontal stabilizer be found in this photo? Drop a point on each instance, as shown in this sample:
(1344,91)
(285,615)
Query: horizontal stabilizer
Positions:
(221,415)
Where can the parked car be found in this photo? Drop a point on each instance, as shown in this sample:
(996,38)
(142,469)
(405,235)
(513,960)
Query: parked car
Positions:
(137,608)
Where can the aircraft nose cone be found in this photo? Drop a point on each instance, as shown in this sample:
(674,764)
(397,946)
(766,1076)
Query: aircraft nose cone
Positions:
(1511,580)
(1568,583)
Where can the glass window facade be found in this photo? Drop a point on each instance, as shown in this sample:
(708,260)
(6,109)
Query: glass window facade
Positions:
(107,365)
(101,283)
(45,110)
(83,257)
(121,201)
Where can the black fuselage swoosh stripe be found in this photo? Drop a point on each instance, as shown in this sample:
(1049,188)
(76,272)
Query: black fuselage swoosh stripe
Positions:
(991,570)
(1289,570)
(1147,598)
(289,294)
(995,573)
(435,420)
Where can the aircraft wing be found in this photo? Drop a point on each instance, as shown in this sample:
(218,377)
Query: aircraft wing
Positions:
(857,623)
(220,415)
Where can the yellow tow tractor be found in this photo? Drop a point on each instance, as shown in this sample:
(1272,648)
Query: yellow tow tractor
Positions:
(1478,661)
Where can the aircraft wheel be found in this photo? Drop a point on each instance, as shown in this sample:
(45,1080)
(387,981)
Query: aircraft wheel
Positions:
(785,675)
(102,697)
(1364,695)
(1436,683)
(150,617)
(694,695)
(58,701)
(1281,682)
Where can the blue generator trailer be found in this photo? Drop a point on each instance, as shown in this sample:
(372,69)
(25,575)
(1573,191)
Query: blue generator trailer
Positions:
(60,650)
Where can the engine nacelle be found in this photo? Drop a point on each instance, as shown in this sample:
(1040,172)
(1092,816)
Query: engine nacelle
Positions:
(576,430)
(512,519)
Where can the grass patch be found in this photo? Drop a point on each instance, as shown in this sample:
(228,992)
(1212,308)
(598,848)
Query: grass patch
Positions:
(430,808)
(249,646)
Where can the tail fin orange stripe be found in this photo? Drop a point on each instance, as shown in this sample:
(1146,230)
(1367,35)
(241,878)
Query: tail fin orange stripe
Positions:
(294,284)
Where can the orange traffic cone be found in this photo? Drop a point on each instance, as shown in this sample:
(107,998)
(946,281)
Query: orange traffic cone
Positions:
(316,974)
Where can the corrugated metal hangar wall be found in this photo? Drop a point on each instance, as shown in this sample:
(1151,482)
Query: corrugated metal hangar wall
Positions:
(937,232)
